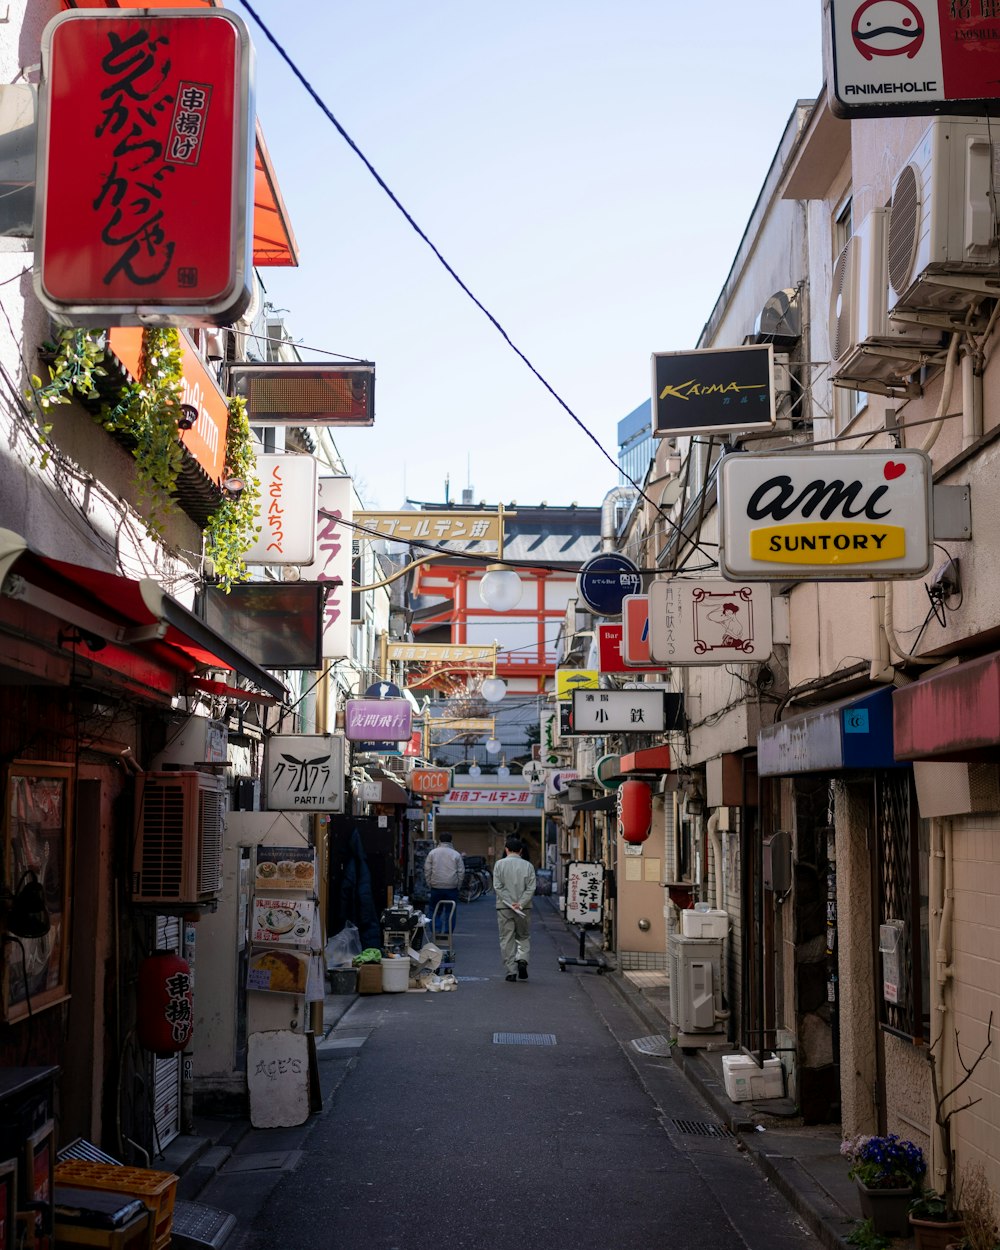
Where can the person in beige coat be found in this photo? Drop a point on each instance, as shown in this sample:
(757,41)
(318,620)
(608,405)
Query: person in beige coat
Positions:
(514,884)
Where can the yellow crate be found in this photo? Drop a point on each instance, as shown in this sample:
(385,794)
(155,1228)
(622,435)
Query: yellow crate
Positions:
(157,1190)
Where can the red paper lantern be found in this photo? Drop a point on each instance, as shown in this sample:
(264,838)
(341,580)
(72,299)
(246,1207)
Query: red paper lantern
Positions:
(635,810)
(164,1004)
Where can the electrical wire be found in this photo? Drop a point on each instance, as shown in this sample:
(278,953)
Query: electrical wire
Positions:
(327,112)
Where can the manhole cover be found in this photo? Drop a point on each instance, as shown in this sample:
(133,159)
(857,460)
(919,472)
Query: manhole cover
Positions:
(524,1039)
(701,1128)
(657,1044)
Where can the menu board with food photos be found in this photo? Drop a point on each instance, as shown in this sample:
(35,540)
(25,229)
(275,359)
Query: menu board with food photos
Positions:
(285,868)
(278,971)
(285,921)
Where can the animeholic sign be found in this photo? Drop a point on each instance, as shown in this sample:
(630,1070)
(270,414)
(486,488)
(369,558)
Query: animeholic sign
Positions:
(912,57)
(145,168)
(825,516)
(714,390)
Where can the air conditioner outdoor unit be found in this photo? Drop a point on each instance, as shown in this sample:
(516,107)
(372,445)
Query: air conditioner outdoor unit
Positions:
(942,246)
(869,351)
(198,740)
(179,826)
(696,989)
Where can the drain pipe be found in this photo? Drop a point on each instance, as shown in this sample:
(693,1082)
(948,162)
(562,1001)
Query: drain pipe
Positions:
(712,829)
(609,509)
(940,887)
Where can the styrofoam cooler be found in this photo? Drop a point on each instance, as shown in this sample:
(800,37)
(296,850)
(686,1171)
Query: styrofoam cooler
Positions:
(395,975)
(745,1080)
(701,923)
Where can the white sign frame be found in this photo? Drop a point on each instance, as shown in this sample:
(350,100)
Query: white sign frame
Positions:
(584,877)
(289,487)
(334,544)
(878,502)
(710,622)
(304,773)
(597,712)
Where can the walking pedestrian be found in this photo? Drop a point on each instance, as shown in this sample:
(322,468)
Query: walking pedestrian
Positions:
(514,883)
(444,872)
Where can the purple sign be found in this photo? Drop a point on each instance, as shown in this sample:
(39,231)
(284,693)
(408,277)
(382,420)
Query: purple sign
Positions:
(377,720)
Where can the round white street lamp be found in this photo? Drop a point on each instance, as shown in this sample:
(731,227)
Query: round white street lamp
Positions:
(500,588)
(493,746)
(493,689)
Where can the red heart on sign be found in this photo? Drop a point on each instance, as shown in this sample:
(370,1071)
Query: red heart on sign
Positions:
(892,469)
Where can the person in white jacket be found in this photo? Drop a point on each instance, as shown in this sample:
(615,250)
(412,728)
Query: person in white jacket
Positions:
(444,872)
(514,883)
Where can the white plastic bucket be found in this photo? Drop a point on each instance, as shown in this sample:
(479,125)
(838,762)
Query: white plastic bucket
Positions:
(395,975)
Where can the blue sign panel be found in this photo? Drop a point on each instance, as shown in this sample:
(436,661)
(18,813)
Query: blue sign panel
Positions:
(604,582)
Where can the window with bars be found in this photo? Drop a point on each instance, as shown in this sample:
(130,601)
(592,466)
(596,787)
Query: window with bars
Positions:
(901,907)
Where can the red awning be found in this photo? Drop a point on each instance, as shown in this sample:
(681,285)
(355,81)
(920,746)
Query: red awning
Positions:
(952,715)
(106,608)
(651,760)
(273,240)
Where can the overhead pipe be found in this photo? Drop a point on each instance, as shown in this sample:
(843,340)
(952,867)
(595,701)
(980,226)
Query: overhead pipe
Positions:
(609,506)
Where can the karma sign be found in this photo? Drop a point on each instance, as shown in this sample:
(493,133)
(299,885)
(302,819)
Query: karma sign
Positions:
(836,516)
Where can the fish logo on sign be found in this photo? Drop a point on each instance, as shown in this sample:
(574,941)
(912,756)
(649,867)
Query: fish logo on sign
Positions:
(888,28)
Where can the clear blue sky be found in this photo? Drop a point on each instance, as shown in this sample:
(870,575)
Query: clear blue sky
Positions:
(586,167)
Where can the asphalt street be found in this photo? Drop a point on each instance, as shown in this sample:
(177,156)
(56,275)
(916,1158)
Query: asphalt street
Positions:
(501,1115)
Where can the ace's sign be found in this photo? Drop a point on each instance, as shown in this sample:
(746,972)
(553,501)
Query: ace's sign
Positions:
(826,516)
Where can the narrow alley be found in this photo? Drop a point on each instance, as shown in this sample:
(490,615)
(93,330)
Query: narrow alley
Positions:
(497,1115)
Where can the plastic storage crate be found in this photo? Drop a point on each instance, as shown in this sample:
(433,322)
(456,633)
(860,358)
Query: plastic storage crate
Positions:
(158,1190)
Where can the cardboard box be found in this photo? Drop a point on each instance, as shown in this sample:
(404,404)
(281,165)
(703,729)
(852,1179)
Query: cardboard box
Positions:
(369,978)
(745,1081)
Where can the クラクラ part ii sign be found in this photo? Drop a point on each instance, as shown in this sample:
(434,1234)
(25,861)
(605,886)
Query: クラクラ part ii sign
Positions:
(826,516)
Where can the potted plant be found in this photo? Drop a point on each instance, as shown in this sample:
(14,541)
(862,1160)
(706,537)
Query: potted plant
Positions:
(935,1223)
(888,1172)
(937,1219)
(979,1213)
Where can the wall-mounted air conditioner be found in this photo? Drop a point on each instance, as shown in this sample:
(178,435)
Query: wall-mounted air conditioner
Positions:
(177,842)
(868,351)
(942,246)
(195,741)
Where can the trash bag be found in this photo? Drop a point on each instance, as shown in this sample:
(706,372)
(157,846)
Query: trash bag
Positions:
(342,947)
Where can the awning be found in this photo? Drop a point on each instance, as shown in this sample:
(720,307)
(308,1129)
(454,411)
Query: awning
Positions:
(606,804)
(105,608)
(853,733)
(651,760)
(273,240)
(951,715)
(389,792)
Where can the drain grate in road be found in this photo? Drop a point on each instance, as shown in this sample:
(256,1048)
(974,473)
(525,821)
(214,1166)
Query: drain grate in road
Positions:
(656,1044)
(701,1128)
(524,1039)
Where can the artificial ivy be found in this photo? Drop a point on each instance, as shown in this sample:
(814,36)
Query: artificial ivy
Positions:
(145,416)
(233,526)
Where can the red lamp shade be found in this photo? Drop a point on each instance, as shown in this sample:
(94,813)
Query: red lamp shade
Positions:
(635,810)
(164,1004)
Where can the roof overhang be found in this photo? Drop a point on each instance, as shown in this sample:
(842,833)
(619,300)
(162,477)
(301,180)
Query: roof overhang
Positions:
(950,715)
(850,734)
(651,760)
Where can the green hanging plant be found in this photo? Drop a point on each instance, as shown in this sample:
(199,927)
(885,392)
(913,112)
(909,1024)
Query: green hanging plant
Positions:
(234,525)
(76,363)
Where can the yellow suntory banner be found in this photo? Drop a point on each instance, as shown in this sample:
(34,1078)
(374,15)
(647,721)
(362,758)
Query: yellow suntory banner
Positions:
(847,543)
(433,527)
(834,515)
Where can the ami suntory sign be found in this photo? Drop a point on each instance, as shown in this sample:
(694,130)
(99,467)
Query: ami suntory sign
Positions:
(836,516)
(892,57)
(145,167)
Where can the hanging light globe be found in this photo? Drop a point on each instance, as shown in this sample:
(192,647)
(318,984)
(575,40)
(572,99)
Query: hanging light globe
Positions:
(493,745)
(493,689)
(475,770)
(500,588)
(503,772)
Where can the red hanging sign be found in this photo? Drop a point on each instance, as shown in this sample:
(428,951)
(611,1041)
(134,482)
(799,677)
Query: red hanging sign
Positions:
(145,168)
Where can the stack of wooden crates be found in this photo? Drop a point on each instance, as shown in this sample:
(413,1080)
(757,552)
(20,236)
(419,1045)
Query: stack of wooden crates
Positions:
(156,1190)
